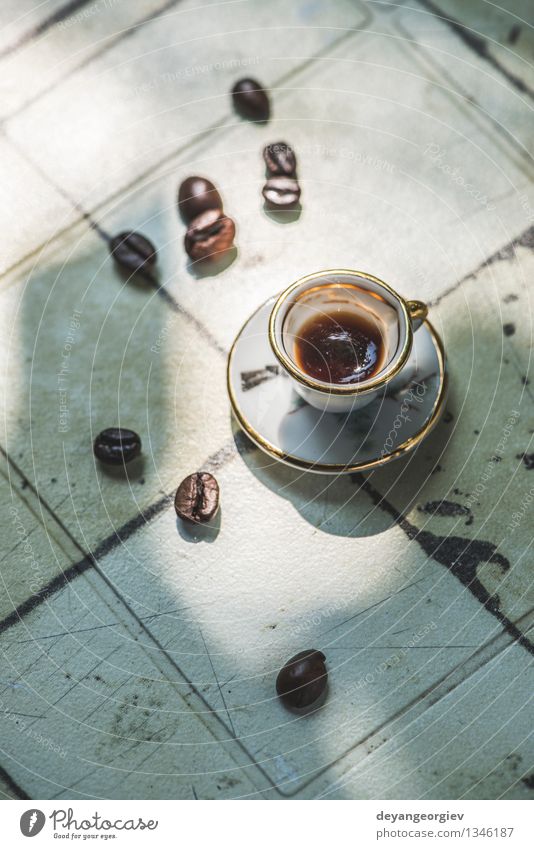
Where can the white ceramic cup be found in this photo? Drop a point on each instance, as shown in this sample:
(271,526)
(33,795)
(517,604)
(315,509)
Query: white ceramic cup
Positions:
(342,290)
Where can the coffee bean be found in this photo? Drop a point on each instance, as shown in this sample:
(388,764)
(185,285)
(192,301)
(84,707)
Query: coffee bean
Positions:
(195,195)
(280,159)
(209,234)
(250,100)
(528,460)
(302,680)
(117,445)
(197,498)
(133,252)
(281,193)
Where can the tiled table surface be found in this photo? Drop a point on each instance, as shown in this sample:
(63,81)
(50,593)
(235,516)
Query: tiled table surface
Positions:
(138,660)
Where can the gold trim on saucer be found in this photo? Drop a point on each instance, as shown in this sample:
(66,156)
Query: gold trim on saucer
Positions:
(334,468)
(410,309)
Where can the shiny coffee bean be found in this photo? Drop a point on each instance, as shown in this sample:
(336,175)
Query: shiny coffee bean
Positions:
(302,680)
(280,160)
(197,498)
(133,252)
(117,445)
(196,195)
(281,193)
(209,235)
(251,100)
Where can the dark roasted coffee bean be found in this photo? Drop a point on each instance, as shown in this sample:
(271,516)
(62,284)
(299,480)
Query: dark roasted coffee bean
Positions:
(251,100)
(117,445)
(280,159)
(281,193)
(195,195)
(209,235)
(197,498)
(302,680)
(133,252)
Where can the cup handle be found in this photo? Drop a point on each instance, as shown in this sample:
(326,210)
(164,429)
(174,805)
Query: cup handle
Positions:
(417,311)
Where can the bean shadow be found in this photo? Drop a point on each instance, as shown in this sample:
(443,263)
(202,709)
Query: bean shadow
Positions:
(283,216)
(198,533)
(212,266)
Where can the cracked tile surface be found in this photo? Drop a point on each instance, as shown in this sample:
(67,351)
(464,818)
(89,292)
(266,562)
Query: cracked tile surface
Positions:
(138,656)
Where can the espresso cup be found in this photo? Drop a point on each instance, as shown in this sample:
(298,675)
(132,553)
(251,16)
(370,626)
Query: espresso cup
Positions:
(340,291)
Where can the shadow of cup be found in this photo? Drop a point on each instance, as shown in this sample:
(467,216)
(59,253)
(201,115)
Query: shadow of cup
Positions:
(337,504)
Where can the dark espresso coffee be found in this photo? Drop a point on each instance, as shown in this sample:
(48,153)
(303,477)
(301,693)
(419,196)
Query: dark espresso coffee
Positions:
(342,347)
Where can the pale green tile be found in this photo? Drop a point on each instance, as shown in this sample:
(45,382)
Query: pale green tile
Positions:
(480,450)
(475,743)
(157,90)
(91,708)
(20,19)
(391,208)
(33,552)
(81,339)
(32,210)
(48,58)
(300,561)
(472,75)
(505,29)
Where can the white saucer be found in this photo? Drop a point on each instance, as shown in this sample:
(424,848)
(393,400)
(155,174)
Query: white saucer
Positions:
(280,423)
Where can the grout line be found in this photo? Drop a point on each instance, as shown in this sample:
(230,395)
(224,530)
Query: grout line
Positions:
(216,460)
(225,123)
(221,125)
(478,44)
(416,708)
(177,307)
(105,236)
(46,24)
(44,593)
(162,291)
(132,526)
(431,545)
(440,73)
(88,216)
(125,33)
(90,559)
(165,295)
(433,695)
(525,239)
